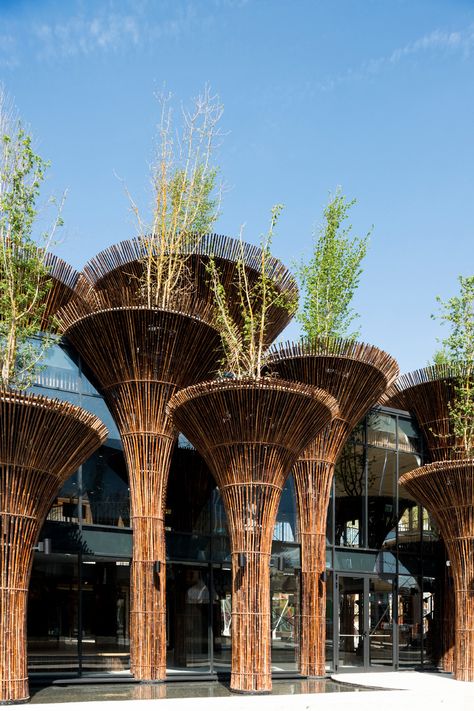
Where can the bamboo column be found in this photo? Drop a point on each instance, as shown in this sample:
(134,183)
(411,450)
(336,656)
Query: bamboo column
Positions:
(427,393)
(446,489)
(42,443)
(355,374)
(139,356)
(250,433)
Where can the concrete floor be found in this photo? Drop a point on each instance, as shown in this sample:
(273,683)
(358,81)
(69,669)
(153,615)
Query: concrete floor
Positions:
(403,691)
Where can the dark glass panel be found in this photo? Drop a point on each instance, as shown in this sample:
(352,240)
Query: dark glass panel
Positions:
(187,546)
(188,601)
(349,491)
(381,497)
(380,632)
(408,436)
(329,622)
(190,486)
(66,506)
(351,621)
(98,407)
(105,615)
(381,430)
(222,619)
(409,621)
(285,611)
(53,615)
(60,371)
(105,490)
(355,560)
(286,520)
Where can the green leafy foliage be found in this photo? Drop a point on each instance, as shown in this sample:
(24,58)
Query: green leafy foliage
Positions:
(458,352)
(24,282)
(243,327)
(330,278)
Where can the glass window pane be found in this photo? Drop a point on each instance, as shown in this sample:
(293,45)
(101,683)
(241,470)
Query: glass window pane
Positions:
(349,490)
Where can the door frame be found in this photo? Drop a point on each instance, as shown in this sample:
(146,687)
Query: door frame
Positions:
(365,634)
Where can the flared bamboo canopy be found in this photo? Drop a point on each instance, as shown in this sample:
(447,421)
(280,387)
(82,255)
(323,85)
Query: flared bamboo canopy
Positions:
(446,490)
(356,374)
(228,418)
(427,393)
(42,442)
(118,270)
(250,433)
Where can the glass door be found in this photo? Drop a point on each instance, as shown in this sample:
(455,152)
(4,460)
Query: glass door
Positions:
(365,622)
(380,630)
(188,605)
(222,619)
(351,621)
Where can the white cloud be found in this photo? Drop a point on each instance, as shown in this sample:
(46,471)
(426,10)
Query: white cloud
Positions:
(439,41)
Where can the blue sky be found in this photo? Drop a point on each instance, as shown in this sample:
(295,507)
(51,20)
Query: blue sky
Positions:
(374,95)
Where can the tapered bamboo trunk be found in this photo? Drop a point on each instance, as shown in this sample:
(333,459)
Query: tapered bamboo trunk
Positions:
(250,433)
(140,359)
(446,490)
(356,375)
(42,443)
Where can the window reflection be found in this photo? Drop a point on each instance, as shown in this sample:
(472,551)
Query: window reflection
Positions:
(105,491)
(349,489)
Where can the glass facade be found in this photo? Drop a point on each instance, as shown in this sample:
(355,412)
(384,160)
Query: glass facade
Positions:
(383,558)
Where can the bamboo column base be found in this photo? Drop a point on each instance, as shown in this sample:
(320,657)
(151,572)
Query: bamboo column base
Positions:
(14,668)
(148,602)
(251,623)
(313,609)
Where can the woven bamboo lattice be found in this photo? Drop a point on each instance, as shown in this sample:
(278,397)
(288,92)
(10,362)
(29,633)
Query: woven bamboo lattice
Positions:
(139,357)
(250,433)
(118,269)
(42,443)
(355,374)
(427,393)
(446,489)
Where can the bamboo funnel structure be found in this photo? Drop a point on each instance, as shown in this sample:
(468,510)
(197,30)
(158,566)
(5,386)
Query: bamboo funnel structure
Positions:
(250,433)
(427,393)
(118,271)
(355,374)
(446,489)
(42,443)
(140,355)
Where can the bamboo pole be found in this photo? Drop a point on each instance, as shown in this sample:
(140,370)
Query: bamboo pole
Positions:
(250,432)
(355,374)
(42,442)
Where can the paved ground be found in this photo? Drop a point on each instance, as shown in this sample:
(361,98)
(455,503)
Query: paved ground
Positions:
(405,691)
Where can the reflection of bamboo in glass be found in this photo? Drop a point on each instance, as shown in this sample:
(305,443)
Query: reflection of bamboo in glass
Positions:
(356,375)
